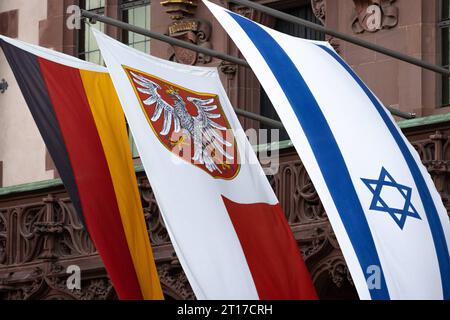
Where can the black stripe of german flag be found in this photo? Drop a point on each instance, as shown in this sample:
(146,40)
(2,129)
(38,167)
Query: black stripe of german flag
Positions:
(28,74)
(80,119)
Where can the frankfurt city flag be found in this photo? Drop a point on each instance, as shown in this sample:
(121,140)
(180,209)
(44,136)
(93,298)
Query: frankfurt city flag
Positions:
(384,208)
(223,218)
(79,116)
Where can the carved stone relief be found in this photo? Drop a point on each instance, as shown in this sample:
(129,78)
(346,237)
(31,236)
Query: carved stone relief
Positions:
(319,9)
(187,28)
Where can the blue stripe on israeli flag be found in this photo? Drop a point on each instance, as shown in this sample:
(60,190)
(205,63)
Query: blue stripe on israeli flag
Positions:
(429,205)
(324,146)
(326,109)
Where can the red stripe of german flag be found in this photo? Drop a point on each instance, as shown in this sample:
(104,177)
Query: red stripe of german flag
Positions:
(81,121)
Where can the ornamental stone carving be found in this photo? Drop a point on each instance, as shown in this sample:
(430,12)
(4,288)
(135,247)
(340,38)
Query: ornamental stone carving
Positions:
(319,9)
(374,15)
(179,9)
(187,28)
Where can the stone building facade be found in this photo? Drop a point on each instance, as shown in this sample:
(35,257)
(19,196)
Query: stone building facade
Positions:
(40,235)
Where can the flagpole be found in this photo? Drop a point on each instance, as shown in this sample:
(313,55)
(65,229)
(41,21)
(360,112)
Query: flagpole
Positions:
(357,41)
(93,17)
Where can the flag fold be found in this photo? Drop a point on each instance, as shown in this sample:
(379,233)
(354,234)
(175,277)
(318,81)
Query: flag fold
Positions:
(223,218)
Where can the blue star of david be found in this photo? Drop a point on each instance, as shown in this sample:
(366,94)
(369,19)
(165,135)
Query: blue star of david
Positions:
(378,204)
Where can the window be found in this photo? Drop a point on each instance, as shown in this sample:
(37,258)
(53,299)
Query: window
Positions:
(88,49)
(304,12)
(136,13)
(444,25)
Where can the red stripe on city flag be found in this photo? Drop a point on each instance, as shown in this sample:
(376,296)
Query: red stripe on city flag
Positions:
(271,251)
(98,199)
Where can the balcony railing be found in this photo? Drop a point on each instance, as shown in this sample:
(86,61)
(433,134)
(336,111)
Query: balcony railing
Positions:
(40,234)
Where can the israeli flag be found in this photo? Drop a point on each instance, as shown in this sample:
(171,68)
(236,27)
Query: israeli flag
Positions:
(384,208)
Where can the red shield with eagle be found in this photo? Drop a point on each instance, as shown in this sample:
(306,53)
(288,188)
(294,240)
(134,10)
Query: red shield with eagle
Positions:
(190,124)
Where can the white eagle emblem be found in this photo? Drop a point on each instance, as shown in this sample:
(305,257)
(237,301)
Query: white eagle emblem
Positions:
(203,129)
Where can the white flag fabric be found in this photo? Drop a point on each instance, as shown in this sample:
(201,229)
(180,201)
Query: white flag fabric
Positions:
(223,218)
(384,208)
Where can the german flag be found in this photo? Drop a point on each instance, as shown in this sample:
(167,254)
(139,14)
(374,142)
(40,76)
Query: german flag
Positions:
(79,116)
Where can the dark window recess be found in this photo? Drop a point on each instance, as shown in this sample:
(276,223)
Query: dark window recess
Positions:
(304,12)
(444,26)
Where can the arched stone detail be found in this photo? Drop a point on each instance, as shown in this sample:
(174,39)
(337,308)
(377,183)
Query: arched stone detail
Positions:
(319,8)
(331,276)
(174,282)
